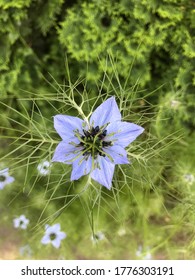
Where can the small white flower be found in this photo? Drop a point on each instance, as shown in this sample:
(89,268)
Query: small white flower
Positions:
(175,104)
(97,237)
(53,235)
(147,256)
(143,255)
(25,251)
(21,222)
(121,232)
(189,178)
(44,167)
(5,179)
(139,251)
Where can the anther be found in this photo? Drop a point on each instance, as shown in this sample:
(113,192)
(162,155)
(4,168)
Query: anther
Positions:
(87,134)
(106,143)
(102,135)
(104,132)
(95,130)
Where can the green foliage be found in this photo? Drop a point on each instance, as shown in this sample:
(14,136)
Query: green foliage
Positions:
(155,37)
(152,42)
(25,51)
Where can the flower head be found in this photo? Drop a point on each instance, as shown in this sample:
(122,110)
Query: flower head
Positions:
(98,236)
(95,147)
(5,179)
(189,178)
(143,255)
(25,251)
(44,167)
(21,222)
(175,104)
(122,232)
(53,235)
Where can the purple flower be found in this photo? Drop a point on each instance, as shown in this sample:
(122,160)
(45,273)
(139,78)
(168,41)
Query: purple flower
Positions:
(21,222)
(5,179)
(53,235)
(95,147)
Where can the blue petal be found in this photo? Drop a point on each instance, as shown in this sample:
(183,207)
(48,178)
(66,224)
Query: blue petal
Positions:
(45,239)
(107,112)
(81,166)
(66,152)
(61,235)
(123,133)
(10,180)
(66,125)
(55,228)
(117,153)
(4,172)
(56,242)
(104,173)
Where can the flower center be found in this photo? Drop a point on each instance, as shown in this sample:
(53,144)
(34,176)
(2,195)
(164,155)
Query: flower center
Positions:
(52,236)
(93,142)
(21,223)
(2,178)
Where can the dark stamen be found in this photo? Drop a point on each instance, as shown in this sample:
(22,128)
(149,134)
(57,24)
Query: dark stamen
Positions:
(87,133)
(95,130)
(104,132)
(102,135)
(106,143)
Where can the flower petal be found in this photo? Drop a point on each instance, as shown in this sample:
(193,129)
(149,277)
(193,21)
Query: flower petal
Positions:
(65,126)
(66,152)
(2,185)
(117,153)
(56,227)
(61,235)
(10,180)
(56,242)
(123,133)
(22,218)
(23,226)
(16,222)
(4,172)
(104,173)
(45,239)
(108,111)
(53,229)
(80,167)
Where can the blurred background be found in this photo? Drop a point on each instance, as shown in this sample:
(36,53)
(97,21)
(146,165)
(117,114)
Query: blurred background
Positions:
(142,52)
